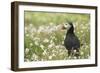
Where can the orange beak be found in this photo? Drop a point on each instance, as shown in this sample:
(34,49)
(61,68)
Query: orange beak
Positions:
(63,27)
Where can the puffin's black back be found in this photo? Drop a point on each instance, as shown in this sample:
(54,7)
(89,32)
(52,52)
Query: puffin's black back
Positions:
(71,40)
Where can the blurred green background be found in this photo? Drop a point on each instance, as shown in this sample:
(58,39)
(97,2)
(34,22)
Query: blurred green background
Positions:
(44,40)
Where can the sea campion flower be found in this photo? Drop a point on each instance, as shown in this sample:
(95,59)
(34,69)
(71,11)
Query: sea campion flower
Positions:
(34,56)
(46,41)
(31,44)
(36,38)
(45,52)
(27,60)
(42,47)
(57,46)
(26,50)
(30,25)
(33,30)
(53,55)
(81,53)
(75,57)
(51,41)
(27,35)
(36,43)
(51,45)
(40,29)
(26,28)
(50,57)
(51,23)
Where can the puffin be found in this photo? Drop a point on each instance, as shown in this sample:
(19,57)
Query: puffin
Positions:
(71,41)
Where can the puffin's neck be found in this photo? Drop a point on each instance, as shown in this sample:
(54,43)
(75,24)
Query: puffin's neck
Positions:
(71,30)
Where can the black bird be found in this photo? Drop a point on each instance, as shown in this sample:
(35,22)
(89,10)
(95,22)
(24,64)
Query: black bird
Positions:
(71,41)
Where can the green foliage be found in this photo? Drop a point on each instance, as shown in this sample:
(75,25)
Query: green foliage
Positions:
(44,41)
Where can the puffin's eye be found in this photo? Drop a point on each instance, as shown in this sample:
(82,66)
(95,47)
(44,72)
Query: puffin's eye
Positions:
(65,25)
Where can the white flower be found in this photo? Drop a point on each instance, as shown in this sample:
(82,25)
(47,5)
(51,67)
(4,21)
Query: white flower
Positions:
(53,37)
(27,60)
(64,37)
(75,57)
(46,40)
(27,35)
(62,42)
(61,53)
(50,57)
(44,53)
(81,31)
(34,56)
(51,23)
(36,43)
(33,30)
(53,54)
(26,28)
(51,45)
(57,46)
(42,59)
(26,50)
(36,38)
(53,51)
(81,53)
(30,25)
(40,29)
(74,51)
(42,47)
(31,44)
(69,57)
(51,41)
(84,27)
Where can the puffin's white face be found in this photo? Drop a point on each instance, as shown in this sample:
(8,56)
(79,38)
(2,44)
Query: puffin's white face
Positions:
(67,26)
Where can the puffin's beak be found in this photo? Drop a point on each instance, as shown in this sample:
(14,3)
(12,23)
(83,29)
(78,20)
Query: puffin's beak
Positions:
(64,26)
